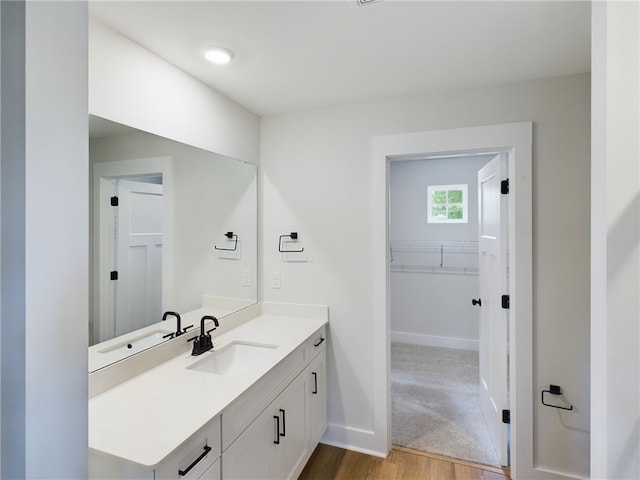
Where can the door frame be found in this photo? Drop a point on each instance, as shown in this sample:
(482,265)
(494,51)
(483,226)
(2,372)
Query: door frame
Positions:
(517,140)
(102,171)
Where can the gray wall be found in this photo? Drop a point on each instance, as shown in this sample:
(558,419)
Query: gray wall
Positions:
(432,307)
(44,240)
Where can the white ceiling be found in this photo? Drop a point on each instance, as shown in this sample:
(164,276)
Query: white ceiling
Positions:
(299,54)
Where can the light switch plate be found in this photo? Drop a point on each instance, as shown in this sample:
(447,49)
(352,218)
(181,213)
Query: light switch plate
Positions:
(275,279)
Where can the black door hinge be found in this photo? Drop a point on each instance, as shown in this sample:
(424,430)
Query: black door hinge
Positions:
(504,187)
(114,201)
(113,275)
(506,302)
(506,416)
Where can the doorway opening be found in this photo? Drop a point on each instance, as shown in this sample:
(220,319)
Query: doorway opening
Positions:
(435,327)
(515,139)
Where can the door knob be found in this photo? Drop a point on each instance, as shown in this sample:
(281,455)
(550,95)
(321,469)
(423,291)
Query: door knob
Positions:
(477,302)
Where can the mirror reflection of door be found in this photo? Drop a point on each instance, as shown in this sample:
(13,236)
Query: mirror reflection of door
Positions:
(136,254)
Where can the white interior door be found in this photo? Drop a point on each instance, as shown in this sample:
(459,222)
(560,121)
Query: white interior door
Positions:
(138,289)
(494,350)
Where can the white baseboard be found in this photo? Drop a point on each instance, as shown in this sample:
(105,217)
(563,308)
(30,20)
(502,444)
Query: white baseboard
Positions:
(363,441)
(435,341)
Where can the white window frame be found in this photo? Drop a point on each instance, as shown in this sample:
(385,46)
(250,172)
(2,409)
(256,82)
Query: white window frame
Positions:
(432,189)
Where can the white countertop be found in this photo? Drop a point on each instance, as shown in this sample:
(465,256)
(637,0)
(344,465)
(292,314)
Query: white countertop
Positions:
(147,417)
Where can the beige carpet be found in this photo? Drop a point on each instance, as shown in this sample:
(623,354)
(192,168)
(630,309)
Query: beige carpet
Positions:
(435,403)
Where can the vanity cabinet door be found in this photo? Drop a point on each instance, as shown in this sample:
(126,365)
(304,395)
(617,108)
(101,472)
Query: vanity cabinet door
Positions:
(289,447)
(274,446)
(248,456)
(317,393)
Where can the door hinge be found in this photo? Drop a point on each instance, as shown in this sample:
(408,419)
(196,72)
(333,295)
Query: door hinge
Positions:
(506,302)
(113,275)
(504,187)
(114,201)
(506,416)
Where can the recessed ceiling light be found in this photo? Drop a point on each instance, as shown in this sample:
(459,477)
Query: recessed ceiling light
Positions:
(218,55)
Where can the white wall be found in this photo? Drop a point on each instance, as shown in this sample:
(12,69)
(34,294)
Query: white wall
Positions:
(316,180)
(432,308)
(615,234)
(128,84)
(44,240)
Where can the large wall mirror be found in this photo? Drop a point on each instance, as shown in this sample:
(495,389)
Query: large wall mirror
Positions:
(174,228)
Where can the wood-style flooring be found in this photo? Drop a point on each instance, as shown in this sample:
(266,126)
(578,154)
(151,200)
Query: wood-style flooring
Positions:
(329,463)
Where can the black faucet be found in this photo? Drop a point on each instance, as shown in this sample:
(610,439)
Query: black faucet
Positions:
(203,342)
(179,330)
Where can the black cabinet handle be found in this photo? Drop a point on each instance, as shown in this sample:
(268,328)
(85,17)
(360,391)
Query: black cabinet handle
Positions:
(318,344)
(277,419)
(207,449)
(315,383)
(284,424)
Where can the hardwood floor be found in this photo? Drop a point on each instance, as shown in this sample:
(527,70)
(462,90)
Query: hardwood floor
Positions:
(329,462)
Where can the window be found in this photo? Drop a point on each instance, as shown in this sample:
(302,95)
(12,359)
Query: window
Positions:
(447,204)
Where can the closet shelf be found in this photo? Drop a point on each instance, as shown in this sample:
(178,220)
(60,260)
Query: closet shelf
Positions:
(448,257)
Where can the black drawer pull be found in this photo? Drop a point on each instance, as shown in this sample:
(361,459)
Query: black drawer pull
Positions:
(284,424)
(207,449)
(277,419)
(315,383)
(318,344)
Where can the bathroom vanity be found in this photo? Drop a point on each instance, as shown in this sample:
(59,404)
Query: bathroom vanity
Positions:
(253,407)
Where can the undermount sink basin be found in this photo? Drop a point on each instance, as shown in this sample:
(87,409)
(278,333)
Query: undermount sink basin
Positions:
(137,344)
(237,359)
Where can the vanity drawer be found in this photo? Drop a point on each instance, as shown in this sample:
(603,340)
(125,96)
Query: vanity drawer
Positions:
(197,458)
(318,341)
